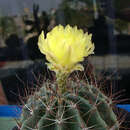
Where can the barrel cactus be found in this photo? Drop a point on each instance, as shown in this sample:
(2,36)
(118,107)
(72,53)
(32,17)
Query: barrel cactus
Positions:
(67,104)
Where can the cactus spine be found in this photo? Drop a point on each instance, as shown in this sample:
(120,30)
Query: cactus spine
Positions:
(66,104)
(80,106)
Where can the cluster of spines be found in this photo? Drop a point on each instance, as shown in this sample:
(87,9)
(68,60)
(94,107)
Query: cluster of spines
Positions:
(82,107)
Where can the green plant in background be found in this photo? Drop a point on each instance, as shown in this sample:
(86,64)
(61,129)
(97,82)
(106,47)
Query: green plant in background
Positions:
(78,13)
(120,5)
(7,26)
(121,25)
(66,103)
(122,15)
(38,22)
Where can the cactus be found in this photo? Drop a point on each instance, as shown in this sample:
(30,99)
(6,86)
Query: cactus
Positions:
(81,107)
(66,103)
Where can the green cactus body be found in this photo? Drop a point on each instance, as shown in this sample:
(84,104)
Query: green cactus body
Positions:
(79,107)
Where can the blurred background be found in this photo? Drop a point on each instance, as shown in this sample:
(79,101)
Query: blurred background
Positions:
(21,22)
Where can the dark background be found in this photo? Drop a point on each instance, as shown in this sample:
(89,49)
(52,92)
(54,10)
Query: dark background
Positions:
(21,22)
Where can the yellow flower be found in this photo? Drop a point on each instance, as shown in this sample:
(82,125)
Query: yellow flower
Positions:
(65,47)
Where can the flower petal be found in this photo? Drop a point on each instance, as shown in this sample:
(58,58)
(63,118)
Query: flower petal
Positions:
(65,48)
